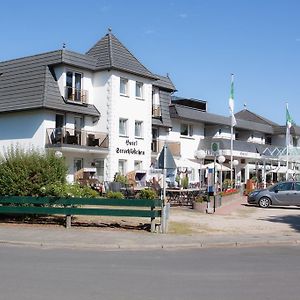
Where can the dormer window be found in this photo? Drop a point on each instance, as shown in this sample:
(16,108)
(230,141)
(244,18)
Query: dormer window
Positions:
(156,109)
(73,90)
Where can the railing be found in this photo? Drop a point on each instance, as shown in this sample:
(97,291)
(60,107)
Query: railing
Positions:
(156,111)
(174,147)
(76,95)
(71,136)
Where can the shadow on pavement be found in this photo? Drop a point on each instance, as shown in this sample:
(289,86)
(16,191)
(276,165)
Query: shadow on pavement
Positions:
(293,221)
(61,221)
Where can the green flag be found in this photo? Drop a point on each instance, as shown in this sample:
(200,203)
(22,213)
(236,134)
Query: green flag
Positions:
(289,120)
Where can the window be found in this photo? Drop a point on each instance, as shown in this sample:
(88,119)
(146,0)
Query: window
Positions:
(137,165)
(78,164)
(268,139)
(122,167)
(124,86)
(74,86)
(284,186)
(139,89)
(186,130)
(297,186)
(59,121)
(99,165)
(123,127)
(295,141)
(138,129)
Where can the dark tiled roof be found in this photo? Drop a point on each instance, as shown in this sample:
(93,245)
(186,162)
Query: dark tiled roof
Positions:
(183,112)
(164,82)
(237,145)
(110,53)
(28,83)
(247,115)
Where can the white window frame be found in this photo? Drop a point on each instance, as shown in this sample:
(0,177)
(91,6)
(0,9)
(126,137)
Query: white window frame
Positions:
(138,165)
(125,83)
(139,89)
(125,127)
(141,129)
(99,164)
(190,130)
(122,165)
(77,159)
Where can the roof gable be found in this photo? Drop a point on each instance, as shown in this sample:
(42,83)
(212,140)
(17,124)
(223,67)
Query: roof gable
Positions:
(110,53)
(247,115)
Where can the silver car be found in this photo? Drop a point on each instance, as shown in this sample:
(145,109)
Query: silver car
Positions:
(283,194)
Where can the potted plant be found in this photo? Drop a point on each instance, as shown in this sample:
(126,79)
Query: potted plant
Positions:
(200,203)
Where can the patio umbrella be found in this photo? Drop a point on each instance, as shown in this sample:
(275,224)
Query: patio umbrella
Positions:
(186,163)
(218,167)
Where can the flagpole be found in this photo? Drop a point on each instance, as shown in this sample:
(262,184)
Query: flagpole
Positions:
(231,107)
(287,141)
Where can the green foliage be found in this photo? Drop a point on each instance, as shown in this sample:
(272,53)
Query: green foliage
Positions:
(147,194)
(201,198)
(185,182)
(227,184)
(23,173)
(121,178)
(66,190)
(115,195)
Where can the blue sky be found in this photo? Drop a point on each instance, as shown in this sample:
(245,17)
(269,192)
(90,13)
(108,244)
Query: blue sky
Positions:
(199,43)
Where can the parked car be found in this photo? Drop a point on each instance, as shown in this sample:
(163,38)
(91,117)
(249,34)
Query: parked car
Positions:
(280,194)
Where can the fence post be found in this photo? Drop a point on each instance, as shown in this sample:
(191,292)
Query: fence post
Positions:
(152,221)
(68,221)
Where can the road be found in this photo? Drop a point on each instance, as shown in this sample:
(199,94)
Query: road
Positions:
(230,273)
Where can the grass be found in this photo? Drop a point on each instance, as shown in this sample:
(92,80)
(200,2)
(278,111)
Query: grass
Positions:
(179,228)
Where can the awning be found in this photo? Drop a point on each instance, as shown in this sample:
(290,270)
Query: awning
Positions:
(218,167)
(282,170)
(186,163)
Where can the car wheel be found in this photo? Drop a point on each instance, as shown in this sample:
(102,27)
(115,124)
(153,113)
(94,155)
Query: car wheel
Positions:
(264,202)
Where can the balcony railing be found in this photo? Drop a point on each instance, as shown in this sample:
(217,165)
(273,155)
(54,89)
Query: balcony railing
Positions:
(174,147)
(156,111)
(71,136)
(76,95)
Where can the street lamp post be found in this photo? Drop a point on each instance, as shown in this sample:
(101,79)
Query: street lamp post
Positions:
(200,154)
(235,164)
(221,160)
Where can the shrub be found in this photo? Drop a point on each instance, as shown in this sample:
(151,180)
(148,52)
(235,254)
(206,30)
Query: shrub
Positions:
(185,182)
(201,198)
(121,178)
(66,190)
(115,195)
(24,173)
(147,194)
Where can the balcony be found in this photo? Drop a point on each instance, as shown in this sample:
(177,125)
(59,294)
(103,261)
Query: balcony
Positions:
(156,111)
(70,136)
(76,95)
(174,147)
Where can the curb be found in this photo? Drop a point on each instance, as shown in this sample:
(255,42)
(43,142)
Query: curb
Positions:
(188,246)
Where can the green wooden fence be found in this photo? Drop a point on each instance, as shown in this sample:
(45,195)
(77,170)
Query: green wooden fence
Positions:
(148,208)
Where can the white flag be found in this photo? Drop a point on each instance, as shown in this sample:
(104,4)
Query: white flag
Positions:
(231,103)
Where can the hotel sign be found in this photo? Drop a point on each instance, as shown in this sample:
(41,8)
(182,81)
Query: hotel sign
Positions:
(130,148)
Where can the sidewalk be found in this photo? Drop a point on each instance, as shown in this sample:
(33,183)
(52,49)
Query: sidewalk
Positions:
(243,227)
